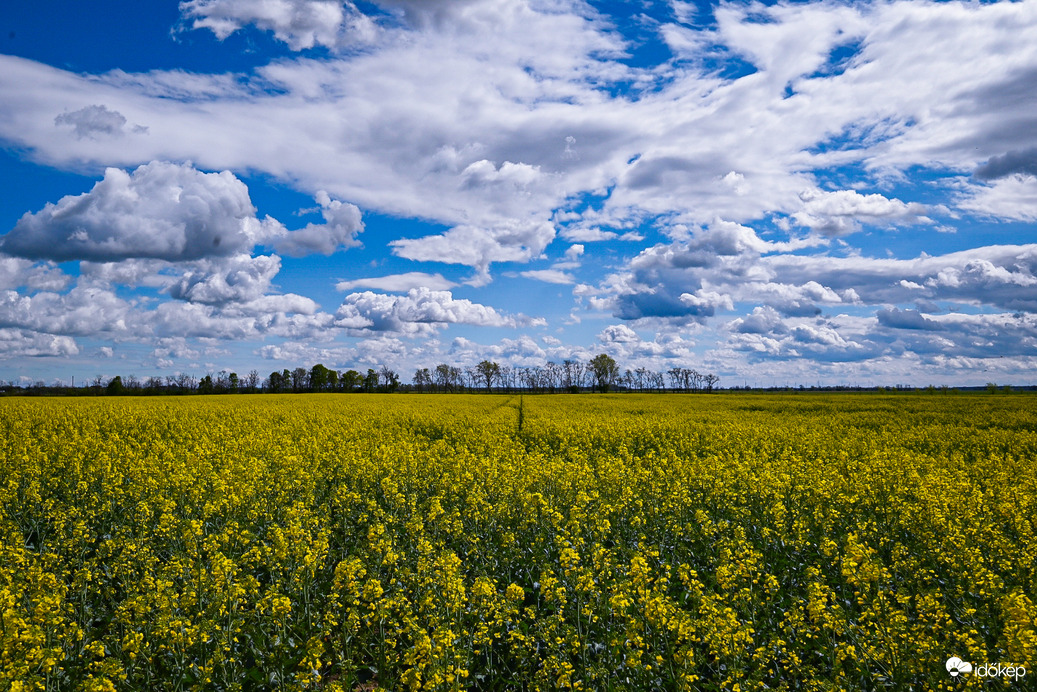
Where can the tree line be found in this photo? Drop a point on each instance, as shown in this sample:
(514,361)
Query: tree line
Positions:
(600,374)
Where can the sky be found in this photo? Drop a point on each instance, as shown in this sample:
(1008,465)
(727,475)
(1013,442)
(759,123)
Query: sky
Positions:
(815,193)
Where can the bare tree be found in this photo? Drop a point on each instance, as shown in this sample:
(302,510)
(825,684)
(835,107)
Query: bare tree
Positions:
(572,374)
(506,377)
(552,376)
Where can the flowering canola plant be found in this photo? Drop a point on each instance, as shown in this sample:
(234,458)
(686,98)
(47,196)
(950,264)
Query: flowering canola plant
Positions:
(410,542)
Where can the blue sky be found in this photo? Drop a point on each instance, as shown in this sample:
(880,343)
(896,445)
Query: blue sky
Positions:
(809,192)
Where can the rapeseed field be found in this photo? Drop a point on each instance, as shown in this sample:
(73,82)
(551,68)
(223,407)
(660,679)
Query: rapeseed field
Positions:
(613,542)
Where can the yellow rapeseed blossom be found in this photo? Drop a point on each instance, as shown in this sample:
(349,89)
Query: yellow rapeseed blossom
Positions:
(409,542)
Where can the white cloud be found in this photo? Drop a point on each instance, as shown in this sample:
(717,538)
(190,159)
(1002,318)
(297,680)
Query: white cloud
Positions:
(618,333)
(341,225)
(459,98)
(421,311)
(491,117)
(843,211)
(171,212)
(82,311)
(514,241)
(16,343)
(585,234)
(268,316)
(399,283)
(551,276)
(161,210)
(707,301)
(299,23)
(37,276)
(240,278)
(763,320)
(1012,197)
(1002,276)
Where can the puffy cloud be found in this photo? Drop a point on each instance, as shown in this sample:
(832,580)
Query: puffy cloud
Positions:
(341,225)
(484,173)
(161,210)
(513,241)
(16,273)
(986,335)
(84,311)
(299,23)
(843,211)
(618,333)
(763,320)
(418,312)
(707,302)
(277,316)
(171,212)
(892,336)
(667,280)
(15,343)
(240,278)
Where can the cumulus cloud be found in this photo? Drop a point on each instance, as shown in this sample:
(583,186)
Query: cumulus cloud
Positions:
(512,241)
(667,280)
(301,24)
(341,225)
(84,311)
(160,210)
(166,212)
(618,333)
(707,302)
(843,211)
(240,278)
(15,343)
(421,311)
(763,320)
(268,316)
(36,276)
